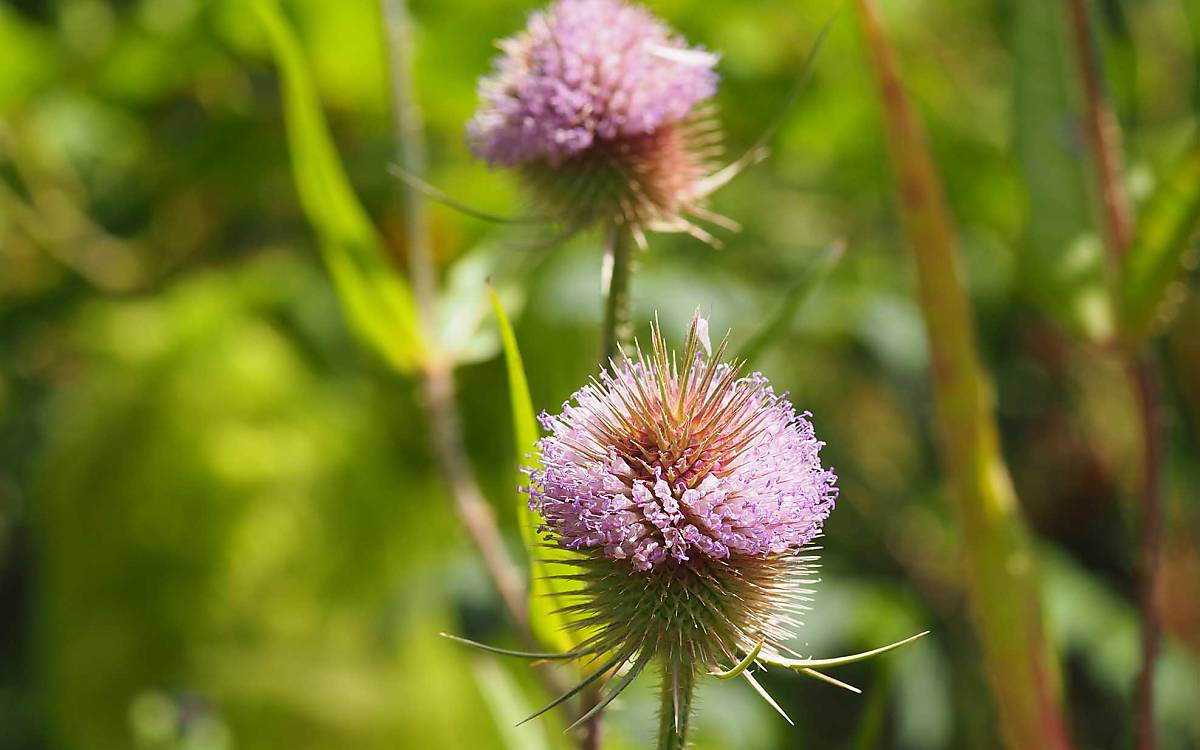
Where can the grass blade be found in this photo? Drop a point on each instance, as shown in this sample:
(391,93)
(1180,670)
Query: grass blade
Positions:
(545,592)
(814,275)
(1166,233)
(376,299)
(1061,255)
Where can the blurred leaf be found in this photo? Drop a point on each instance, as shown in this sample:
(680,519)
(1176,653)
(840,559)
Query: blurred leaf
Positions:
(29,60)
(814,274)
(464,312)
(1062,256)
(376,298)
(1102,628)
(545,594)
(1002,574)
(874,716)
(1166,231)
(502,695)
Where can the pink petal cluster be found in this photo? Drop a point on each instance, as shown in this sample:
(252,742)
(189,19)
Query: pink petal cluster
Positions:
(582,72)
(651,467)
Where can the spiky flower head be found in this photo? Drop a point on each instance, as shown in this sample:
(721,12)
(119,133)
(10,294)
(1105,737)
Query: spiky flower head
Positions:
(598,104)
(690,492)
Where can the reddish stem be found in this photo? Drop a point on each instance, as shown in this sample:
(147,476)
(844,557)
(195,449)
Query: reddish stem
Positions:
(1104,140)
(1146,378)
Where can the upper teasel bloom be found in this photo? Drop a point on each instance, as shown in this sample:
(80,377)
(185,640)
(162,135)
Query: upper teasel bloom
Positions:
(601,107)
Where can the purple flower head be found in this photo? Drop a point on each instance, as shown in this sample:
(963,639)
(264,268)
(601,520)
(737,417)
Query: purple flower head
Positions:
(599,106)
(657,464)
(586,71)
(687,495)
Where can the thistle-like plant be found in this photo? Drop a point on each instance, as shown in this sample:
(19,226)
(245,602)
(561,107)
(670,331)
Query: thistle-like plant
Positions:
(690,493)
(603,110)
(606,114)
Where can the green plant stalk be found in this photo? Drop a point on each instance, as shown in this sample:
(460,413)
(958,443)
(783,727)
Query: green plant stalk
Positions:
(1001,570)
(678,686)
(617,331)
(617,276)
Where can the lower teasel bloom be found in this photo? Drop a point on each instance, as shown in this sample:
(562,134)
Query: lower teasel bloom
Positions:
(690,494)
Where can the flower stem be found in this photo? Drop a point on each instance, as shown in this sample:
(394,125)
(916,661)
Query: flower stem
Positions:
(675,707)
(617,274)
(593,730)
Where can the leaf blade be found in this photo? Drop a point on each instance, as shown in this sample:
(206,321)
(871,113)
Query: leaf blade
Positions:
(815,273)
(1158,254)
(375,298)
(546,593)
(1061,255)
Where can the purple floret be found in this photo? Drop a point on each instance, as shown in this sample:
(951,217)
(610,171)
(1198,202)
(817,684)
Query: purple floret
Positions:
(583,72)
(640,472)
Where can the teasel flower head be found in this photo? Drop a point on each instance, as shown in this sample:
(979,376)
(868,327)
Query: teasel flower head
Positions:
(686,495)
(603,110)
(691,493)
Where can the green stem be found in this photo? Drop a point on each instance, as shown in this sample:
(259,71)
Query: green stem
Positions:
(675,707)
(618,272)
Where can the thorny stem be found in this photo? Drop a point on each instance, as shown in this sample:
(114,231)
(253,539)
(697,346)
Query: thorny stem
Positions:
(616,277)
(1104,140)
(617,329)
(675,706)
(449,450)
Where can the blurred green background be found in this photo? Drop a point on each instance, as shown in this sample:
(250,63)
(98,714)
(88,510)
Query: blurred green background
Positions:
(219,523)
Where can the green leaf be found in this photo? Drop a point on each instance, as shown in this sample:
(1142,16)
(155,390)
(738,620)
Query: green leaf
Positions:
(814,275)
(1166,232)
(546,594)
(376,299)
(1062,257)
(502,695)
